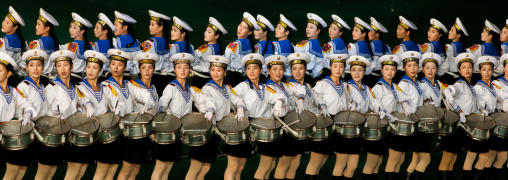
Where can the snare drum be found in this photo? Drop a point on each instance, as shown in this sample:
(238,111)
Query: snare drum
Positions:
(265,129)
(51,131)
(450,123)
(110,129)
(304,124)
(349,124)
(376,128)
(407,125)
(324,128)
(479,127)
(137,126)
(196,130)
(232,131)
(15,136)
(167,130)
(501,119)
(430,118)
(84,130)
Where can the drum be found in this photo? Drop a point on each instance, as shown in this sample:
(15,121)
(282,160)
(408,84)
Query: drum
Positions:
(406,125)
(84,130)
(265,129)
(304,124)
(196,130)
(166,129)
(450,123)
(349,124)
(430,118)
(479,127)
(15,136)
(324,128)
(137,125)
(501,119)
(110,127)
(51,131)
(376,128)
(231,131)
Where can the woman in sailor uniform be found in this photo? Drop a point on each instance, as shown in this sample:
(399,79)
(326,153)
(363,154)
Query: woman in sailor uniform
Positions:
(457,35)
(284,45)
(180,34)
(436,39)
(48,41)
(14,104)
(490,36)
(224,98)
(239,48)
(13,43)
(103,30)
(361,48)
(265,45)
(503,37)
(463,99)
(338,42)
(405,32)
(332,90)
(126,40)
(213,37)
(377,46)
(79,45)
(177,100)
(312,46)
(289,147)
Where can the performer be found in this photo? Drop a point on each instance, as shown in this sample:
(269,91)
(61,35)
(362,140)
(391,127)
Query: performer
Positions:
(180,34)
(284,45)
(126,41)
(79,45)
(104,29)
(458,35)
(435,45)
(13,43)
(312,46)
(338,43)
(265,45)
(503,37)
(361,48)
(378,47)
(490,37)
(405,31)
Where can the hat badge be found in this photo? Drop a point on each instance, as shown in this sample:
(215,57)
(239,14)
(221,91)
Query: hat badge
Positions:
(251,56)
(35,52)
(61,52)
(11,11)
(259,18)
(356,58)
(147,55)
(119,52)
(278,58)
(391,57)
(487,59)
(310,15)
(339,57)
(467,55)
(73,17)
(412,54)
(297,55)
(149,13)
(217,58)
(183,55)
(431,55)
(94,54)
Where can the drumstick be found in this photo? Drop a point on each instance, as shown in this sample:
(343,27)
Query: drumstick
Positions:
(234,112)
(112,119)
(88,117)
(82,132)
(378,117)
(165,112)
(258,125)
(60,120)
(287,127)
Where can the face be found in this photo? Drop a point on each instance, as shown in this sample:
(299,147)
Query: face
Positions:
(120,29)
(63,68)
(182,70)
(210,35)
(276,72)
(486,72)
(40,29)
(486,37)
(117,68)
(430,69)
(280,32)
(260,34)
(357,34)
(401,32)
(505,69)
(337,69)
(388,71)
(298,71)
(334,31)
(466,69)
(453,33)
(312,30)
(373,35)
(154,27)
(253,71)
(34,68)
(243,30)
(177,34)
(146,71)
(92,70)
(411,68)
(8,26)
(503,37)
(217,73)
(357,73)
(4,74)
(433,34)
(75,31)
(98,32)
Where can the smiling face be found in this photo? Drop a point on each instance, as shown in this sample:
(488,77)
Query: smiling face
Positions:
(334,31)
(298,71)
(486,72)
(276,72)
(253,71)
(182,70)
(34,68)
(40,29)
(155,28)
(357,73)
(411,68)
(8,26)
(243,31)
(466,69)
(430,70)
(388,71)
(146,70)
(117,68)
(92,70)
(217,73)
(312,31)
(75,31)
(337,69)
(63,68)
(433,34)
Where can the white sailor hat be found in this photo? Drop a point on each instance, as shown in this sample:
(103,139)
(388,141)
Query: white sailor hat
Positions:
(359,23)
(178,23)
(119,55)
(218,61)
(460,27)
(506,25)
(339,22)
(250,20)
(96,57)
(286,23)
(7,60)
(182,58)
(46,17)
(315,19)
(252,58)
(438,25)
(298,58)
(491,27)
(276,60)
(15,17)
(337,58)
(410,56)
(121,17)
(157,16)
(504,58)
(62,55)
(486,60)
(430,57)
(103,20)
(146,57)
(393,60)
(80,21)
(406,24)
(465,57)
(264,23)
(216,25)
(377,26)
(358,60)
(34,54)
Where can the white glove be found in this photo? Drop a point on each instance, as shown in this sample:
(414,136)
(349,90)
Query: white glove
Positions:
(449,96)
(352,106)
(391,117)
(120,109)
(324,112)
(382,114)
(505,107)
(209,115)
(167,110)
(299,106)
(148,106)
(485,113)
(407,108)
(240,113)
(56,113)
(26,118)
(462,118)
(89,110)
(277,108)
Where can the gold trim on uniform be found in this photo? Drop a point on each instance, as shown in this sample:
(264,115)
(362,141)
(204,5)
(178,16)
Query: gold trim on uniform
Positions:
(276,63)
(262,25)
(101,22)
(486,63)
(337,61)
(429,60)
(4,62)
(466,60)
(119,20)
(505,61)
(506,26)
(77,23)
(435,27)
(118,58)
(456,26)
(181,61)
(404,25)
(313,22)
(213,27)
(12,18)
(147,61)
(218,64)
(410,59)
(177,26)
(44,20)
(298,61)
(393,63)
(248,22)
(154,18)
(95,60)
(62,58)
(40,58)
(253,61)
(358,63)
(338,24)
(374,27)
(487,28)
(359,26)
(283,24)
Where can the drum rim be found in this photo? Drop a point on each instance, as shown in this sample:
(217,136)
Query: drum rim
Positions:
(51,134)
(233,116)
(497,124)
(114,125)
(13,135)
(162,114)
(346,111)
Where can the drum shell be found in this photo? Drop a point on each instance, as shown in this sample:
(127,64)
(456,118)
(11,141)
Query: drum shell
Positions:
(429,126)
(80,139)
(501,130)
(266,135)
(449,128)
(304,132)
(403,128)
(51,139)
(350,130)
(375,133)
(17,141)
(138,130)
(108,135)
(322,133)
(164,137)
(196,139)
(477,133)
(234,138)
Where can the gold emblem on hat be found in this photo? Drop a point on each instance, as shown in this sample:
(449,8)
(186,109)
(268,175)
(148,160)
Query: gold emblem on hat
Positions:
(259,18)
(487,59)
(94,54)
(217,58)
(278,58)
(297,55)
(251,56)
(61,52)
(339,57)
(73,17)
(356,58)
(147,55)
(183,55)
(391,57)
(149,13)
(412,54)
(35,52)
(467,55)
(431,55)
(119,52)
(10,12)
(310,15)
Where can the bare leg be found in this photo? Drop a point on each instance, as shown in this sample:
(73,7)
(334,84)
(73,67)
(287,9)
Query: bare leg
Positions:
(135,171)
(501,159)
(293,166)
(265,164)
(272,166)
(126,170)
(401,160)
(240,168)
(51,172)
(393,160)
(194,168)
(101,171)
(424,162)
(491,159)
(370,163)
(468,163)
(379,161)
(315,163)
(340,164)
(446,160)
(82,170)
(167,170)
(21,172)
(282,167)
(352,163)
(482,158)
(159,171)
(72,171)
(111,171)
(204,170)
(414,162)
(42,171)
(11,172)
(232,168)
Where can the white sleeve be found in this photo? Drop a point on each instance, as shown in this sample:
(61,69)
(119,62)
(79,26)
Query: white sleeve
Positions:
(141,95)
(24,103)
(236,99)
(203,100)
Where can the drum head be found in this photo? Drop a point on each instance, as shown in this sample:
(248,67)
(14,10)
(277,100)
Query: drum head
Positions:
(169,124)
(106,118)
(429,113)
(12,127)
(303,120)
(355,117)
(450,117)
(373,121)
(481,122)
(501,118)
(402,116)
(82,124)
(51,125)
(265,123)
(229,124)
(195,124)
(322,122)
(133,117)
